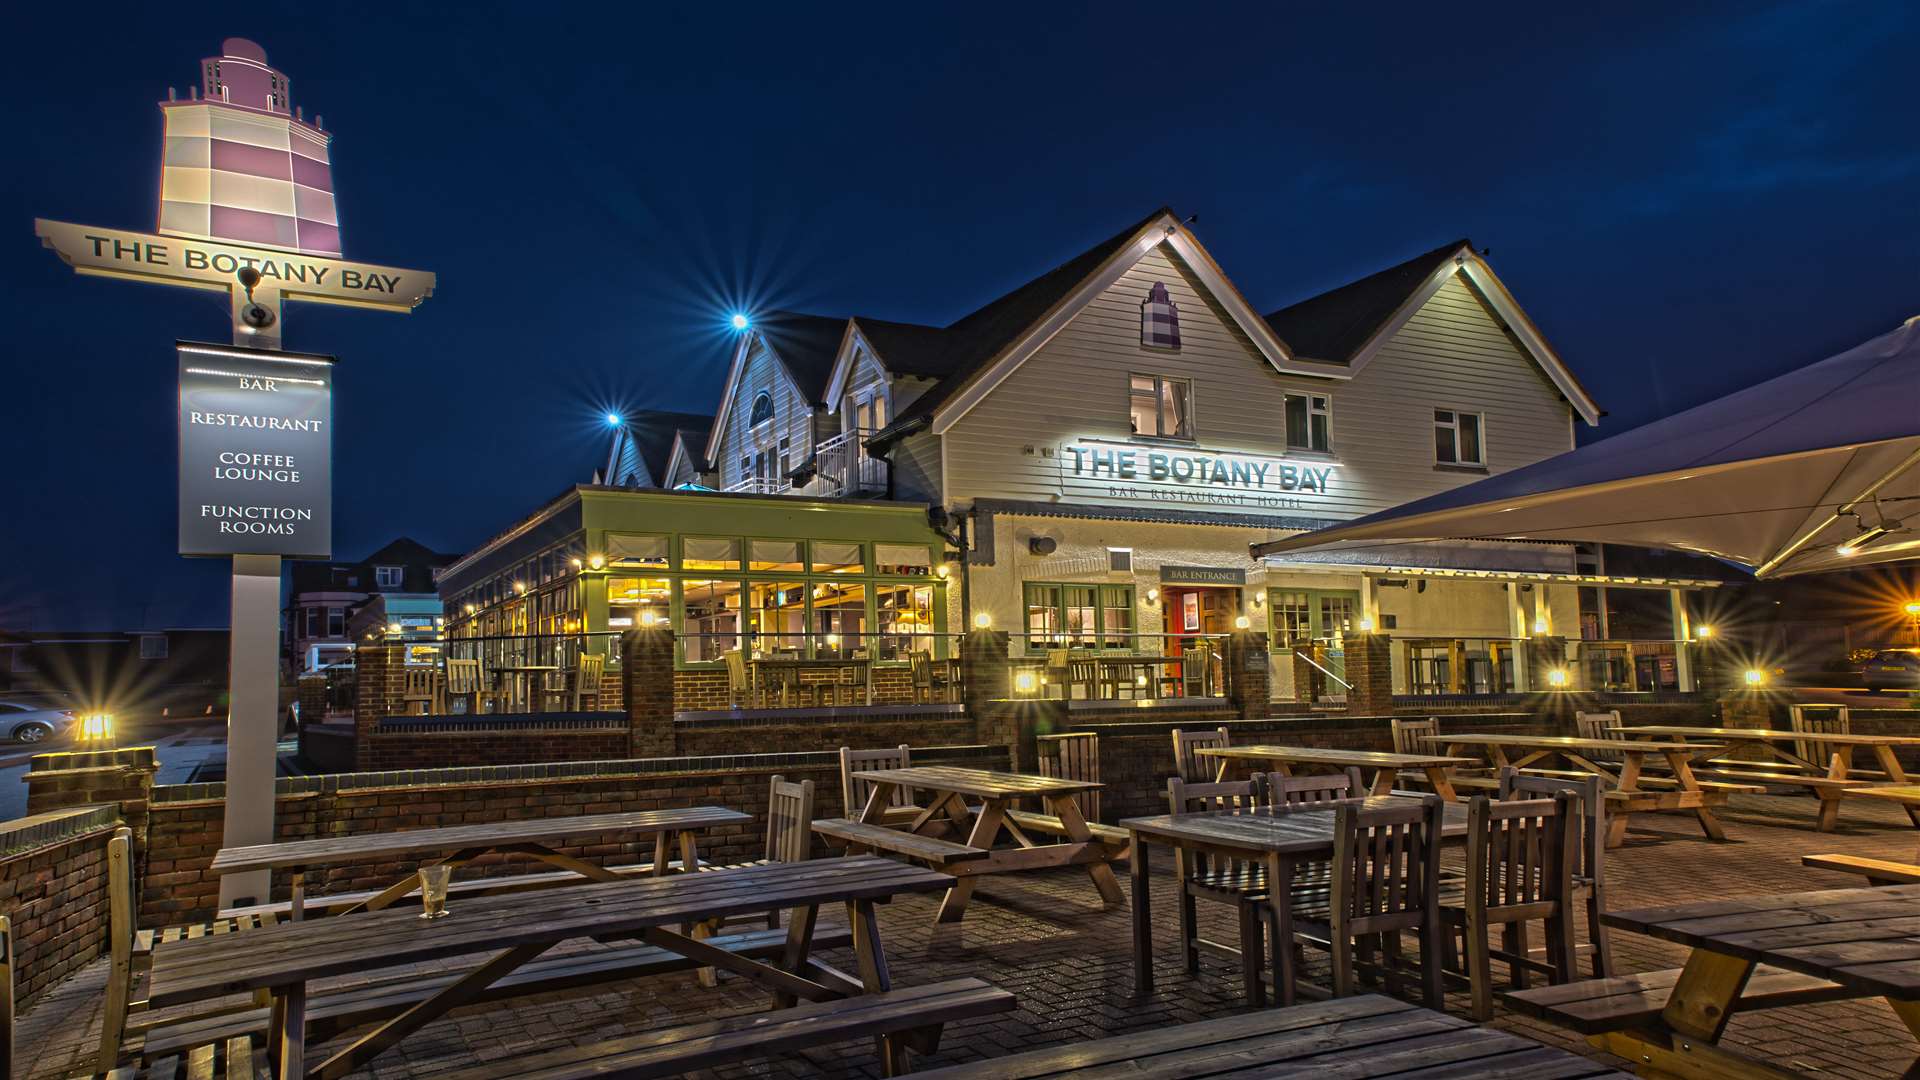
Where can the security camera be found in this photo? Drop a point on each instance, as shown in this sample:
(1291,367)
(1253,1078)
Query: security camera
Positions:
(258,316)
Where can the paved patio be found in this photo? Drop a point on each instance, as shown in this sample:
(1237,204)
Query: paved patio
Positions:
(1044,938)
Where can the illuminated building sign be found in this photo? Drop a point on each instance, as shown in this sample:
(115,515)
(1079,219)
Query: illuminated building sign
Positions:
(256,452)
(1123,470)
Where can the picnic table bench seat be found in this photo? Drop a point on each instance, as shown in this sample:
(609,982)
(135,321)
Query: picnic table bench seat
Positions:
(1111,835)
(915,1013)
(331,1011)
(333,903)
(860,836)
(1598,1006)
(1664,783)
(1876,871)
(236,1058)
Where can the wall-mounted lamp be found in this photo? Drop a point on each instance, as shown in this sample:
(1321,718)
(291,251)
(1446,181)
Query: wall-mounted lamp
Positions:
(575,562)
(1539,626)
(1755,677)
(1025,682)
(1703,631)
(1557,678)
(1366,626)
(1153,594)
(1241,622)
(596,561)
(943,570)
(982,621)
(647,617)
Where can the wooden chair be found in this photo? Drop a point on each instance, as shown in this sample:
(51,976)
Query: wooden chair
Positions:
(1408,735)
(1599,725)
(464,681)
(585,681)
(422,687)
(1385,882)
(920,666)
(1519,859)
(1193,768)
(738,688)
(1589,865)
(1075,756)
(1083,671)
(789,839)
(854,791)
(1055,673)
(1828,720)
(1196,672)
(1235,882)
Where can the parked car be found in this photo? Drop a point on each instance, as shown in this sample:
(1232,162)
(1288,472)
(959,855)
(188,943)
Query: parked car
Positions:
(1892,669)
(32,721)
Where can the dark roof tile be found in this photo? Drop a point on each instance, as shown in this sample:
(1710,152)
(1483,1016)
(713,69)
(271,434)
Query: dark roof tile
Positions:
(1334,325)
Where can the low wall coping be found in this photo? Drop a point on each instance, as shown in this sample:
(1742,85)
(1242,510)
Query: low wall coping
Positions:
(40,830)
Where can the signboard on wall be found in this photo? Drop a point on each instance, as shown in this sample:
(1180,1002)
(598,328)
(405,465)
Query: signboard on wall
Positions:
(1202,575)
(256,452)
(1190,474)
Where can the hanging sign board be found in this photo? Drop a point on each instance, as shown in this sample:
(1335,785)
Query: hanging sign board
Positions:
(1202,575)
(256,452)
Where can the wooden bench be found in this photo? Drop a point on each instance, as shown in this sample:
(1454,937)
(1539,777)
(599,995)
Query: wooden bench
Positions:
(1598,1006)
(1645,782)
(1828,790)
(915,1012)
(334,903)
(236,1058)
(334,1010)
(1905,796)
(1876,871)
(857,837)
(1112,836)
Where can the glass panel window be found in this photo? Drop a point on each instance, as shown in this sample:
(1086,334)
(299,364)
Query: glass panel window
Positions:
(712,624)
(905,614)
(314,615)
(1160,407)
(1338,614)
(1080,618)
(336,622)
(623,550)
(833,557)
(779,620)
(1456,438)
(633,601)
(1310,422)
(839,618)
(703,553)
(1116,616)
(910,559)
(1291,618)
(774,555)
(1043,615)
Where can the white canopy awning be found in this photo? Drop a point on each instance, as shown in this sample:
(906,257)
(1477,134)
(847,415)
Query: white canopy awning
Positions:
(1814,470)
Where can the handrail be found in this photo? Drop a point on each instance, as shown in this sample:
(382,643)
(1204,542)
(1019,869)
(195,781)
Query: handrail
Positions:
(1307,655)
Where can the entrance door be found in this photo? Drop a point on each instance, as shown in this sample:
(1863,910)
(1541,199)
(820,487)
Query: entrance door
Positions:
(1194,617)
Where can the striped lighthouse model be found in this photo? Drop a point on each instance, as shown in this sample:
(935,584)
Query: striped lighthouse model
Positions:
(240,164)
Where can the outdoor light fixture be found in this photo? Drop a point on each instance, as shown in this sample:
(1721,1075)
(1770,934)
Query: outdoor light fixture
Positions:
(1024,682)
(740,321)
(596,561)
(1755,677)
(1557,678)
(520,586)
(1867,536)
(1242,622)
(471,609)
(943,570)
(1366,626)
(393,628)
(1539,626)
(1153,594)
(647,617)
(96,727)
(1703,632)
(1259,599)
(982,620)
(833,641)
(1912,608)
(613,419)
(575,562)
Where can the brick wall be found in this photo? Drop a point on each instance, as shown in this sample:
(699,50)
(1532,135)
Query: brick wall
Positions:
(387,750)
(55,891)
(826,734)
(705,689)
(1370,670)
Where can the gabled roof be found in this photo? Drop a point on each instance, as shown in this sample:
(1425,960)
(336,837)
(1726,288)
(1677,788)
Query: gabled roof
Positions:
(689,444)
(645,439)
(907,348)
(1348,325)
(1335,324)
(806,344)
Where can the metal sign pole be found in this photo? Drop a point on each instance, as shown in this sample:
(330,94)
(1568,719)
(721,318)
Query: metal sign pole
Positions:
(253,720)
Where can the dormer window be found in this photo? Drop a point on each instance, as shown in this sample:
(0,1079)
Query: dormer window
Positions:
(1159,319)
(762,409)
(386,577)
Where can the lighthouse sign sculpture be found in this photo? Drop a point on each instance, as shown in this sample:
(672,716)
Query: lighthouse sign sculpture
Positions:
(247,208)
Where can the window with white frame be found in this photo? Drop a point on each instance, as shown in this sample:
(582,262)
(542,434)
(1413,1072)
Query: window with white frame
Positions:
(386,577)
(1310,423)
(1458,437)
(1161,407)
(153,646)
(762,409)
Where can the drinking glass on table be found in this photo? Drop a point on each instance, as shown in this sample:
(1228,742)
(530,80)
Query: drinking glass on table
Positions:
(433,890)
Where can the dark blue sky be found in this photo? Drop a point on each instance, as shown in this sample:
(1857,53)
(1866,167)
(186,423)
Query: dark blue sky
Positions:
(1687,201)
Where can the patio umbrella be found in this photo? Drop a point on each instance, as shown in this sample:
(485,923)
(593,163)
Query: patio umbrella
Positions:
(1818,469)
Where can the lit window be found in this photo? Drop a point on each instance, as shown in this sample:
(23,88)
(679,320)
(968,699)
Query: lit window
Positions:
(774,555)
(914,559)
(701,553)
(830,557)
(762,409)
(1161,407)
(1456,437)
(1310,423)
(1159,319)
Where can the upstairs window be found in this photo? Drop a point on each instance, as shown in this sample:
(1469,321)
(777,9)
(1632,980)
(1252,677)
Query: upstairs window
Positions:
(386,577)
(153,646)
(1456,437)
(1159,319)
(1310,423)
(1161,407)
(762,409)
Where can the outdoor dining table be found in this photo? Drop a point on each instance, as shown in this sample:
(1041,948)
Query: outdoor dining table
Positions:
(1625,794)
(826,670)
(464,843)
(1839,746)
(517,927)
(945,790)
(1386,766)
(1279,838)
(1863,940)
(521,681)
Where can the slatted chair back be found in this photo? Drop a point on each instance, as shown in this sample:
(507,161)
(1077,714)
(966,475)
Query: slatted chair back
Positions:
(419,687)
(789,820)
(1409,735)
(1196,669)
(1519,855)
(854,762)
(737,688)
(1819,720)
(920,665)
(586,679)
(1590,826)
(1083,671)
(463,681)
(1074,756)
(1386,866)
(1308,790)
(1193,768)
(1600,725)
(1205,797)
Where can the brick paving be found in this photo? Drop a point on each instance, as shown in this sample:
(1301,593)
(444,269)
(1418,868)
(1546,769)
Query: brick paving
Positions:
(1044,937)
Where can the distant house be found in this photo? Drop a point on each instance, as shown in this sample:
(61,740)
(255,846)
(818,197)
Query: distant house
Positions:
(654,449)
(325,595)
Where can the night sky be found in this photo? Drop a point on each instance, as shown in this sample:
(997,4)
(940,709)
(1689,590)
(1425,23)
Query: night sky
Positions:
(1687,202)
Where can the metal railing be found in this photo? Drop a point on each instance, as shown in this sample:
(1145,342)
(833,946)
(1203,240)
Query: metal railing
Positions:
(845,468)
(760,485)
(1111,665)
(1468,665)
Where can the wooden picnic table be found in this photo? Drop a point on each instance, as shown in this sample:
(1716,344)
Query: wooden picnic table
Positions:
(945,791)
(1839,763)
(1386,766)
(1357,1037)
(1625,794)
(1861,940)
(463,843)
(518,927)
(1905,796)
(1279,838)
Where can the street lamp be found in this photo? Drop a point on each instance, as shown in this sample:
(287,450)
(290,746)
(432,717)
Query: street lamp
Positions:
(740,321)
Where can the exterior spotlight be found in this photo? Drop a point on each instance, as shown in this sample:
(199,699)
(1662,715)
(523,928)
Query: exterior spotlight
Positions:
(596,561)
(982,621)
(647,617)
(1366,626)
(1539,626)
(740,321)
(1153,594)
(520,586)
(1024,682)
(471,609)
(1259,599)
(613,419)
(1139,680)
(1912,608)
(1703,632)
(1755,677)
(1241,622)
(1557,678)
(96,727)
(943,570)
(575,562)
